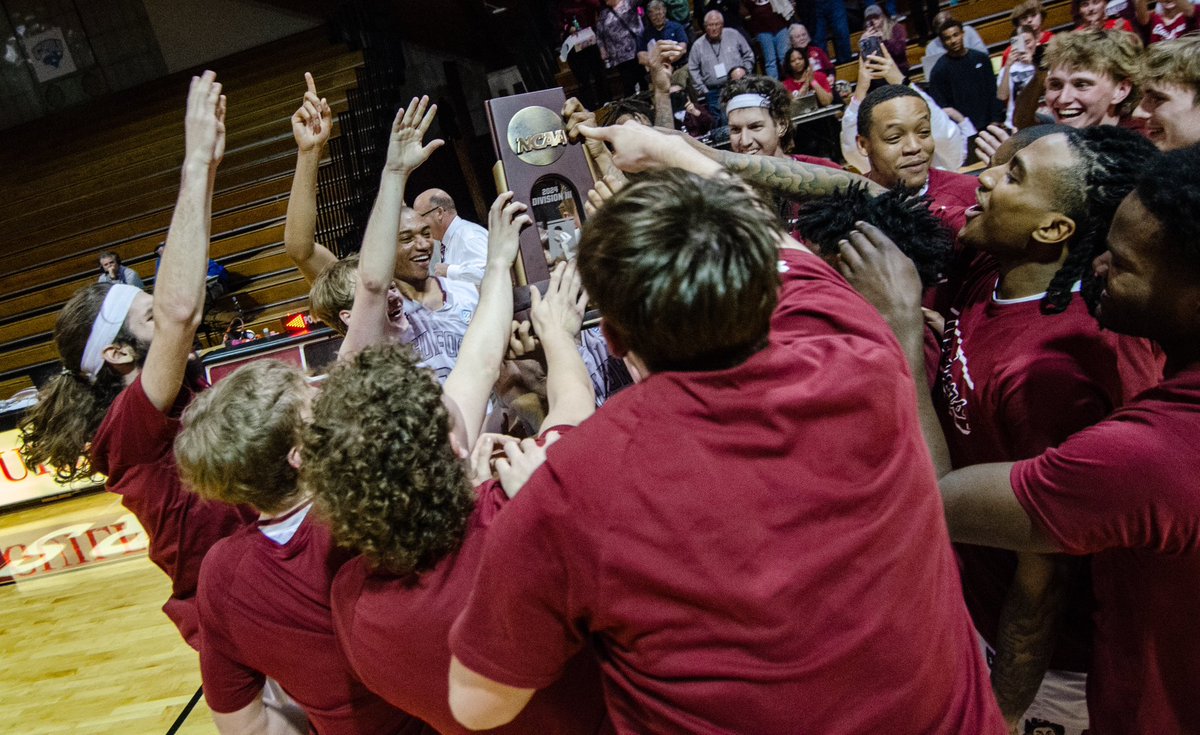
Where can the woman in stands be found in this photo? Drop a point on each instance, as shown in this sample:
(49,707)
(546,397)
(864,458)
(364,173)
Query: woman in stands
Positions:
(878,24)
(801,79)
(114,407)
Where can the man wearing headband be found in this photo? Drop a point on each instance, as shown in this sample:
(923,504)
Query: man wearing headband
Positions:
(114,408)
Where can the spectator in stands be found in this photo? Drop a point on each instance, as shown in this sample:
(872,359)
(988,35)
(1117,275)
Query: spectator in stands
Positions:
(619,28)
(1168,20)
(1122,490)
(114,407)
(801,80)
(1170,81)
(689,110)
(831,20)
(676,104)
(877,24)
(659,28)
(264,590)
(713,57)
(1018,71)
(1091,15)
(963,82)
(113,272)
(1029,16)
(576,21)
(935,49)
(463,243)
(767,23)
(671,658)
(1092,77)
(950,145)
(731,14)
(817,58)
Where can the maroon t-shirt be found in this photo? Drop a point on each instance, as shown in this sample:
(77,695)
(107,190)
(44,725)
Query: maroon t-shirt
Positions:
(395,632)
(134,448)
(952,194)
(758,549)
(1014,382)
(1127,490)
(264,611)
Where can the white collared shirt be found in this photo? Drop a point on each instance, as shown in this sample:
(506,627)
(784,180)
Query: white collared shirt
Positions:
(464,251)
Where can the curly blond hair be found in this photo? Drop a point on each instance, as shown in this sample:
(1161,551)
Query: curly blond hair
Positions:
(378,460)
(236,436)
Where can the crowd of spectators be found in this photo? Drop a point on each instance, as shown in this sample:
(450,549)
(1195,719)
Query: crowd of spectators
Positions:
(891,447)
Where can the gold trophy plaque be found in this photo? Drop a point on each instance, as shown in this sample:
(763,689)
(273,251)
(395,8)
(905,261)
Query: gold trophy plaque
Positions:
(546,172)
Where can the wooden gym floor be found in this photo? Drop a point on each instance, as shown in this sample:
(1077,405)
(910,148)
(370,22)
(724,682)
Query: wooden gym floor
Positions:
(90,651)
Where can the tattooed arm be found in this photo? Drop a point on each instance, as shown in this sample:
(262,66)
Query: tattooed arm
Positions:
(1030,622)
(791,178)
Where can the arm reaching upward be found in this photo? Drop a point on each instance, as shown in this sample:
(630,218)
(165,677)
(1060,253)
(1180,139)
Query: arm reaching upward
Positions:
(557,319)
(179,288)
(377,259)
(483,347)
(311,125)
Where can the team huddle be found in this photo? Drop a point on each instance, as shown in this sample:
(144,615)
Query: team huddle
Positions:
(906,452)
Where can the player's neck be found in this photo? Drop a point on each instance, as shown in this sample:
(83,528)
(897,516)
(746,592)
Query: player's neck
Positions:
(426,292)
(1022,280)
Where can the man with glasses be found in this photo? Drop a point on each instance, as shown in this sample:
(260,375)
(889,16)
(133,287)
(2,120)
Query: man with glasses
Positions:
(463,250)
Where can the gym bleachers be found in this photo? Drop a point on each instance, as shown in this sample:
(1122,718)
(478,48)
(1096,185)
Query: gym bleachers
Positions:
(106,178)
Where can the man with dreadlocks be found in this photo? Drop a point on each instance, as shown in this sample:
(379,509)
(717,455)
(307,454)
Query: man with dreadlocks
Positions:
(114,409)
(1023,367)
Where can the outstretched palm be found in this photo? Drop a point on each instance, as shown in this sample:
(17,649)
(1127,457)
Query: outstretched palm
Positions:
(405,148)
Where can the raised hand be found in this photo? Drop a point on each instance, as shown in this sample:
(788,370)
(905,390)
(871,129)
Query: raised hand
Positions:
(521,460)
(405,148)
(663,55)
(988,142)
(884,276)
(561,309)
(506,218)
(204,123)
(521,343)
(605,189)
(312,123)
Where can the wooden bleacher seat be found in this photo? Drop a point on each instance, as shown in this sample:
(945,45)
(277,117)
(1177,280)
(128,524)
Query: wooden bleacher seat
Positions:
(107,178)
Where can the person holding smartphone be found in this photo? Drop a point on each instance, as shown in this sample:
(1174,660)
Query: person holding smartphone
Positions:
(1018,70)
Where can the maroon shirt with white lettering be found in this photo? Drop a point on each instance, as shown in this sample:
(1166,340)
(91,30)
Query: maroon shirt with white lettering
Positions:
(395,632)
(264,611)
(1012,383)
(135,448)
(759,549)
(1127,491)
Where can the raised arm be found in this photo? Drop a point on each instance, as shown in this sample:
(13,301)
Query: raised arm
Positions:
(557,319)
(659,63)
(478,366)
(377,259)
(179,288)
(311,125)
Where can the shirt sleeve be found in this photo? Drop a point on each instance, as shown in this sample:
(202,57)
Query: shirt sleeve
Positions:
(849,136)
(524,618)
(229,685)
(1123,483)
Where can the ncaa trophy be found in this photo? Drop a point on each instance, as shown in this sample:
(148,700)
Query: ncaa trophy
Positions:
(545,171)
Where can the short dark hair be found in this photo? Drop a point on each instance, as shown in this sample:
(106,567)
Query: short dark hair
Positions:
(1169,189)
(901,215)
(878,96)
(683,269)
(1109,161)
(947,23)
(110,254)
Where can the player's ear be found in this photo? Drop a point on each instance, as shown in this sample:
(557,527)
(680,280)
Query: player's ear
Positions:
(616,345)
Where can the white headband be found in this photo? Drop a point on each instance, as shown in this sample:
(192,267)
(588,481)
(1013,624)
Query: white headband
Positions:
(742,101)
(108,323)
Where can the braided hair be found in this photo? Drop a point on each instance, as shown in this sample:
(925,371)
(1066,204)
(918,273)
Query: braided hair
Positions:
(1108,161)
